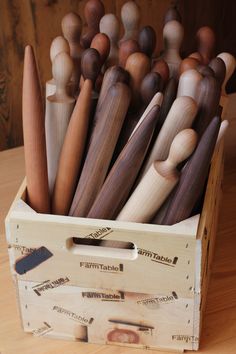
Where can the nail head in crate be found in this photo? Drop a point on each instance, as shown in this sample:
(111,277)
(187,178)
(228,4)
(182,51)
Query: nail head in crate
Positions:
(114,282)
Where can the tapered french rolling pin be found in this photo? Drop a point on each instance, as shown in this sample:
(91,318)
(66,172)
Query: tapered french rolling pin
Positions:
(147,40)
(161,67)
(75,138)
(59,108)
(189,83)
(159,181)
(34,137)
(206,43)
(101,148)
(193,176)
(172,14)
(123,174)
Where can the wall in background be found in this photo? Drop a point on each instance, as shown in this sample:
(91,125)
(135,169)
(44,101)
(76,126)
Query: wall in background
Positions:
(37,22)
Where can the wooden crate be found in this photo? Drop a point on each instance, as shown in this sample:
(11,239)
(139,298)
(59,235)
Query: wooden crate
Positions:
(150,295)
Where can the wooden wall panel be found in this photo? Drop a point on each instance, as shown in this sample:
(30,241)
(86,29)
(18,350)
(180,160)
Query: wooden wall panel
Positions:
(37,22)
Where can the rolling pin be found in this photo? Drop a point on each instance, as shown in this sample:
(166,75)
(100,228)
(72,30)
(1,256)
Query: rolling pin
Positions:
(147,40)
(208,103)
(173,34)
(180,116)
(187,64)
(58,45)
(219,68)
(71,28)
(206,43)
(172,14)
(230,65)
(93,12)
(58,112)
(189,83)
(159,181)
(101,148)
(127,48)
(75,138)
(122,176)
(109,24)
(193,177)
(151,84)
(130,17)
(205,70)
(137,65)
(34,136)
(161,68)
(222,132)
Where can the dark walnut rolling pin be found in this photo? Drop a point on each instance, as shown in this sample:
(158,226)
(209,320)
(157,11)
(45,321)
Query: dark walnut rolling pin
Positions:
(75,139)
(103,141)
(159,181)
(34,137)
(123,174)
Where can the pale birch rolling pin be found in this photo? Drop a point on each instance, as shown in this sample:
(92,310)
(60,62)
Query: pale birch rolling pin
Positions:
(101,148)
(123,174)
(180,116)
(159,181)
(130,17)
(193,177)
(93,12)
(74,143)
(58,112)
(189,83)
(34,137)
(109,24)
(59,44)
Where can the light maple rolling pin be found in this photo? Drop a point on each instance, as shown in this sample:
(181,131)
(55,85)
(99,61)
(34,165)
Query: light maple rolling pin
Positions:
(58,112)
(127,48)
(121,178)
(180,116)
(59,44)
(137,65)
(159,181)
(109,24)
(172,14)
(193,177)
(93,12)
(101,148)
(161,67)
(71,27)
(34,137)
(173,34)
(147,40)
(130,17)
(206,43)
(75,138)
(189,83)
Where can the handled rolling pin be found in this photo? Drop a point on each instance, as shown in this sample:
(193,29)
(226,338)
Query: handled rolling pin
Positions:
(159,181)
(34,137)
(58,45)
(109,24)
(206,43)
(121,178)
(180,116)
(189,83)
(58,112)
(127,48)
(101,148)
(130,17)
(147,40)
(193,177)
(93,12)
(75,138)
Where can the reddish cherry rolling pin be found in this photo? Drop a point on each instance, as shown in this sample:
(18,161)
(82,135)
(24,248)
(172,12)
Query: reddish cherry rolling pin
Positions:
(159,180)
(206,43)
(193,177)
(102,145)
(74,143)
(127,48)
(58,112)
(34,137)
(121,178)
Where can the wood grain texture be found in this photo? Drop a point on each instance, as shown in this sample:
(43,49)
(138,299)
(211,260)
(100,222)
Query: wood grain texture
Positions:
(120,179)
(101,148)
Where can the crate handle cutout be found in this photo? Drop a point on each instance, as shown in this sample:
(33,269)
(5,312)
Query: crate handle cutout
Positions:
(102,248)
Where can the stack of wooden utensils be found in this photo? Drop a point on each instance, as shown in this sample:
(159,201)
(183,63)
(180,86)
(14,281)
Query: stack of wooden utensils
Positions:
(126,135)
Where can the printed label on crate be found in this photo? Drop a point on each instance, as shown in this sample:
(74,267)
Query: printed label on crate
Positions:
(115,269)
(42,330)
(47,285)
(184,338)
(154,302)
(101,233)
(73,316)
(115,297)
(155,257)
(22,249)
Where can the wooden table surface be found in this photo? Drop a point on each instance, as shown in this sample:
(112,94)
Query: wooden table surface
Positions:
(219,330)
